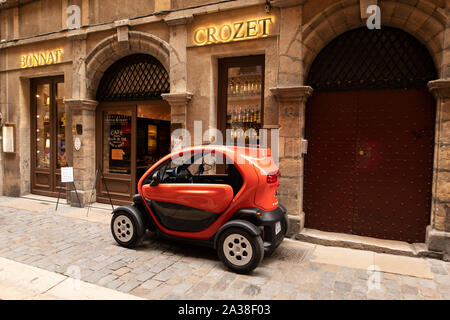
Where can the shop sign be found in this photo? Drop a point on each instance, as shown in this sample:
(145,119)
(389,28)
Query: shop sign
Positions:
(42,58)
(234,31)
(66,174)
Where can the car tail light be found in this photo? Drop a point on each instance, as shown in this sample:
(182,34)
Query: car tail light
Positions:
(273,177)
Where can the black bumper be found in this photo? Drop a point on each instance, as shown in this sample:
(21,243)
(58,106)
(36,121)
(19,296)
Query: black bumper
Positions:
(266,221)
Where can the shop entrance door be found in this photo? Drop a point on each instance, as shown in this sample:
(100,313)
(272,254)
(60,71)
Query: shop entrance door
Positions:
(369,165)
(131,138)
(48,135)
(116,154)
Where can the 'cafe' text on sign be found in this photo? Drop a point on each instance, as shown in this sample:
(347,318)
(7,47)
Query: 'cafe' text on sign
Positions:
(234,31)
(42,58)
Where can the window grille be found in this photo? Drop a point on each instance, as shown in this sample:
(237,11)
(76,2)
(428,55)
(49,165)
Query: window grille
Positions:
(135,77)
(372,59)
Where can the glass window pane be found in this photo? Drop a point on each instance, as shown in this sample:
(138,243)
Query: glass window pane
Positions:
(244,103)
(152,134)
(117,142)
(61,126)
(43,141)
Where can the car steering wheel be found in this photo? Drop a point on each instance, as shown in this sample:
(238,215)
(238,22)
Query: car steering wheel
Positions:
(182,172)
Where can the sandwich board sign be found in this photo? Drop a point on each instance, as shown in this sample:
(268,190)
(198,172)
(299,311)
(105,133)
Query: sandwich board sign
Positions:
(67,177)
(66,174)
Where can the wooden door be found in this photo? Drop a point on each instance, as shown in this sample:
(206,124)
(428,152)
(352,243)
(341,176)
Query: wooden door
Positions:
(47,134)
(369,165)
(116,152)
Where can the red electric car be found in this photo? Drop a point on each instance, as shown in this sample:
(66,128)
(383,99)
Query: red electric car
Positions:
(220,196)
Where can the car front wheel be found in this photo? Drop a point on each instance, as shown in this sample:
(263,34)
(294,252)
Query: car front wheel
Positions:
(124,229)
(239,250)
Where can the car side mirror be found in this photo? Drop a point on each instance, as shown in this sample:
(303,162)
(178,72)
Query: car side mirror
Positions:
(155,179)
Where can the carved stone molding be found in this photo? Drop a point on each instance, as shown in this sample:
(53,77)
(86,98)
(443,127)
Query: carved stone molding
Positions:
(177,99)
(179,20)
(178,106)
(285,94)
(440,88)
(81,104)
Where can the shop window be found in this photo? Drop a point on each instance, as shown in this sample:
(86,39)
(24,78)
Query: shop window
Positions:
(117,142)
(43,130)
(241,99)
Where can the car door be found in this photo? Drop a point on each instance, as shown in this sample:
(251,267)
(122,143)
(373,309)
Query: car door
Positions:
(181,201)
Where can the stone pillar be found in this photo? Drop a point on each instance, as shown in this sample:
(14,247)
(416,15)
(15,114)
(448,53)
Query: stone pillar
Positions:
(291,96)
(178,110)
(438,232)
(179,97)
(291,106)
(83,114)
(445,64)
(80,117)
(290,64)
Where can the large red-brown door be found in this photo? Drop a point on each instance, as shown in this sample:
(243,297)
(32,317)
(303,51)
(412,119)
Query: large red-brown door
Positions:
(368,170)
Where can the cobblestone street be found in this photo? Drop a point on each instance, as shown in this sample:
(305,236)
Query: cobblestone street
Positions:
(158,269)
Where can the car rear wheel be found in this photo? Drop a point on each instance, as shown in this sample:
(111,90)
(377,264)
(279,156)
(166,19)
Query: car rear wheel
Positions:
(124,229)
(239,250)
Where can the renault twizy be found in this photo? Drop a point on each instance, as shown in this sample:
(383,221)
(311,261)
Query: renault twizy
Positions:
(220,196)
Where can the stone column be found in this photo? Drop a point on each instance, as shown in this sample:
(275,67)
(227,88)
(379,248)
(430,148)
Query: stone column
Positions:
(83,128)
(438,233)
(291,95)
(291,106)
(290,64)
(80,123)
(179,97)
(178,110)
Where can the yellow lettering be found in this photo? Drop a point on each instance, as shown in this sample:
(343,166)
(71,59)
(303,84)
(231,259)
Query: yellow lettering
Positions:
(252,28)
(234,31)
(51,57)
(59,53)
(42,59)
(237,30)
(36,58)
(212,34)
(198,37)
(265,29)
(23,61)
(30,61)
(225,32)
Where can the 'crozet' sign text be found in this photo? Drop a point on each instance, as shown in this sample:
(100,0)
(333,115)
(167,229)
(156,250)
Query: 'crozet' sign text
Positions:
(235,31)
(43,58)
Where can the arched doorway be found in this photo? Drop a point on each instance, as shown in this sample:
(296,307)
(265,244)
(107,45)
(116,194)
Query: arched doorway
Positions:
(370,127)
(133,124)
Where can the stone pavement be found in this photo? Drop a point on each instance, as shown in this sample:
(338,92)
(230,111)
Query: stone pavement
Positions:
(19,281)
(69,243)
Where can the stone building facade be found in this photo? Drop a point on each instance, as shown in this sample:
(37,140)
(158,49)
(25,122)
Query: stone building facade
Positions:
(297,31)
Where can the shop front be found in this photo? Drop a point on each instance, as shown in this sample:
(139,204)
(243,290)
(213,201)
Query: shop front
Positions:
(366,157)
(132,125)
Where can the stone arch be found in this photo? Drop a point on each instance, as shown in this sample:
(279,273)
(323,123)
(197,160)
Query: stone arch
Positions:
(422,19)
(110,50)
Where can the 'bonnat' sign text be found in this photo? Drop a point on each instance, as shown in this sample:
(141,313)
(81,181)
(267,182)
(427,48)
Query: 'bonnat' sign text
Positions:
(234,31)
(43,58)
